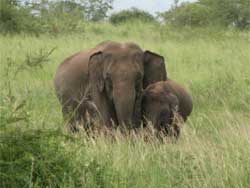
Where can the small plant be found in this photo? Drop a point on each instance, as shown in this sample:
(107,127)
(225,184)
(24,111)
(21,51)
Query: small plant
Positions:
(13,107)
(38,59)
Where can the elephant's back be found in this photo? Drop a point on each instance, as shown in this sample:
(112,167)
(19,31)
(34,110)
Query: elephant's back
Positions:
(71,78)
(185,99)
(80,59)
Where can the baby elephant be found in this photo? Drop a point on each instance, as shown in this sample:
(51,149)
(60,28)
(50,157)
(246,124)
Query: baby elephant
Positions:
(164,103)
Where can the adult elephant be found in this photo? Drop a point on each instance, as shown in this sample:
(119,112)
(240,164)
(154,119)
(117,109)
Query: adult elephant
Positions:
(112,75)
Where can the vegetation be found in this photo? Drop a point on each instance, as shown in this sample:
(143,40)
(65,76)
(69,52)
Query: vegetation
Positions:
(71,16)
(44,16)
(234,13)
(214,147)
(206,57)
(12,17)
(131,15)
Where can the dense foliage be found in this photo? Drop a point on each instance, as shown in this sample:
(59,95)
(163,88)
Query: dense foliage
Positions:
(225,13)
(13,17)
(51,16)
(131,15)
(62,16)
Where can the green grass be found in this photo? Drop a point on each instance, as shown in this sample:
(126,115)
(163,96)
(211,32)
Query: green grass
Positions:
(214,147)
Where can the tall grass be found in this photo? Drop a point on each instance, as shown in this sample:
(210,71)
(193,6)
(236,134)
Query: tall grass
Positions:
(214,147)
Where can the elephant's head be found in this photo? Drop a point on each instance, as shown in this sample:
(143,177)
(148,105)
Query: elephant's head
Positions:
(117,73)
(160,107)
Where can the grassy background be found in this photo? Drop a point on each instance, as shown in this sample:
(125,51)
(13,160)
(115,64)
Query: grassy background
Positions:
(214,148)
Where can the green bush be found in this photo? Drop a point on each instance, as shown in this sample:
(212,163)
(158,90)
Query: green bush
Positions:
(11,16)
(26,160)
(223,13)
(47,158)
(50,16)
(229,12)
(192,14)
(130,15)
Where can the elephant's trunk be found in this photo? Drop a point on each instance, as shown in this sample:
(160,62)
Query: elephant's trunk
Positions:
(125,101)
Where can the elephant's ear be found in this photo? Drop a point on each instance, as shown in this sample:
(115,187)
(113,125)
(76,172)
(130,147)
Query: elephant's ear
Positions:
(154,68)
(96,70)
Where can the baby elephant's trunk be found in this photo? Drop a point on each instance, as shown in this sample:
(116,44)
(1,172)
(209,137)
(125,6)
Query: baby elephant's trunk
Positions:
(169,124)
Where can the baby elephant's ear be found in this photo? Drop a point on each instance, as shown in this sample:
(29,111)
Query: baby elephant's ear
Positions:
(154,68)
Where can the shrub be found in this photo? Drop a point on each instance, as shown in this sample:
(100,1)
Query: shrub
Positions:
(10,17)
(192,14)
(130,15)
(210,12)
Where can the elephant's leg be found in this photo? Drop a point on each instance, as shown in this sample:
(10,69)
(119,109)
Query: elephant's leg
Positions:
(69,119)
(69,116)
(91,116)
(177,123)
(83,116)
(83,113)
(72,111)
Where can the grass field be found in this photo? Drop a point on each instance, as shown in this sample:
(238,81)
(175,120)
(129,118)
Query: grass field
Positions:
(213,150)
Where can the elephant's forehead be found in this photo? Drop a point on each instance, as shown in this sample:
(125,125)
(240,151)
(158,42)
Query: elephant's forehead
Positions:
(124,53)
(125,72)
(156,87)
(156,92)
(125,68)
(123,49)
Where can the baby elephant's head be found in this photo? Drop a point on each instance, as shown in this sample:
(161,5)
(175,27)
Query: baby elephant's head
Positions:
(160,107)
